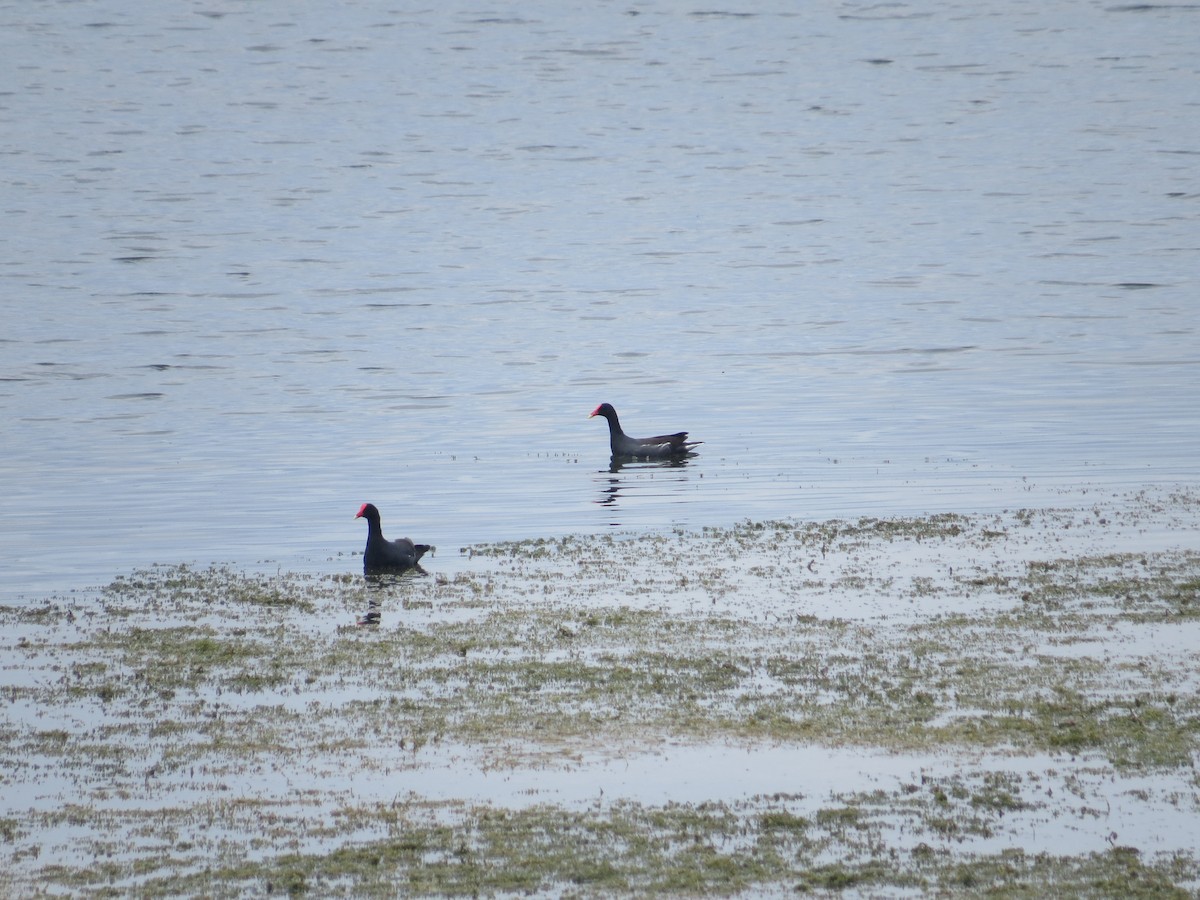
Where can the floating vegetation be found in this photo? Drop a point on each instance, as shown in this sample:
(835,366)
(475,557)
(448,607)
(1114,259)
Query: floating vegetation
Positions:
(942,704)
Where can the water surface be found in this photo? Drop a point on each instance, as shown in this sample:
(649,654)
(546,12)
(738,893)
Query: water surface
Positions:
(262,263)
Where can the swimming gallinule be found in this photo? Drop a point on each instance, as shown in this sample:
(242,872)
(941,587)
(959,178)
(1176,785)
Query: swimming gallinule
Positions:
(660,447)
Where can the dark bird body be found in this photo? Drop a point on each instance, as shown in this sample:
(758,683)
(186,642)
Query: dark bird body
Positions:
(382,554)
(663,446)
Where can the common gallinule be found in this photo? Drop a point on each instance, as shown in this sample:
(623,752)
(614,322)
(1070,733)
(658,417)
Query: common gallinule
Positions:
(660,447)
(382,554)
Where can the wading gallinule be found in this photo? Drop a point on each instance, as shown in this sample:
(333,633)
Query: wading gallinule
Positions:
(382,554)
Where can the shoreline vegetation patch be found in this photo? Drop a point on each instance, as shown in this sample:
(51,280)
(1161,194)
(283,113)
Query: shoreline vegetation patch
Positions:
(996,704)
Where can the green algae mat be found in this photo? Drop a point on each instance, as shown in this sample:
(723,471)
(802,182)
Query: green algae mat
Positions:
(1001,705)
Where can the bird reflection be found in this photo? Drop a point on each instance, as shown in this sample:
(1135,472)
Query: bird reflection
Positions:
(378,584)
(612,488)
(617,463)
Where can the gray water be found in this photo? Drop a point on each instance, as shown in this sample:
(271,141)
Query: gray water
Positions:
(262,262)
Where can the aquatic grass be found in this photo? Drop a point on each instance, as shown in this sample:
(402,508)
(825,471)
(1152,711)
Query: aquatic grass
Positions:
(565,652)
(165,588)
(677,849)
(698,675)
(1137,587)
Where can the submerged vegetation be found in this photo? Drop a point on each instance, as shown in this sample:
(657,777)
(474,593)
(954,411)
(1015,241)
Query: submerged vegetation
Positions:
(204,731)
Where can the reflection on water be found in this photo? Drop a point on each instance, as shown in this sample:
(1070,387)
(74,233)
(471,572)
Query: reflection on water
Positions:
(382,589)
(633,463)
(629,480)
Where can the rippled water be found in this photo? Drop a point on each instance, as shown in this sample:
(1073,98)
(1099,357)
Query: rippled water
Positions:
(263,262)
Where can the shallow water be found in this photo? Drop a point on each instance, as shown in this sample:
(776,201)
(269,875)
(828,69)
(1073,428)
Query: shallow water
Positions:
(184,716)
(264,263)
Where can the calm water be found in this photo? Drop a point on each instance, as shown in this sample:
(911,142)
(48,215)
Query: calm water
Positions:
(265,261)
